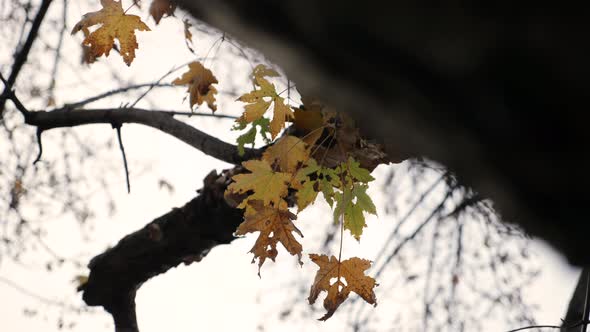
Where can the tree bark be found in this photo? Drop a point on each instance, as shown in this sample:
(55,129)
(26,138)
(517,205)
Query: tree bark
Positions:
(183,235)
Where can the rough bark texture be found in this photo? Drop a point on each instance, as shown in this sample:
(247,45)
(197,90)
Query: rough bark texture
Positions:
(496,94)
(183,235)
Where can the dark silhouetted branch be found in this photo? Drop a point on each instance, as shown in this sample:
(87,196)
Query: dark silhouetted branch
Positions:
(183,235)
(162,121)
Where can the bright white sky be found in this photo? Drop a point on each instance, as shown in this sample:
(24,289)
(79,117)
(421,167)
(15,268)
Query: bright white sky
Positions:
(223,292)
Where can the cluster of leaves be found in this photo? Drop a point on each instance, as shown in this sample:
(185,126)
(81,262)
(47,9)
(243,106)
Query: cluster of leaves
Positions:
(288,173)
(315,155)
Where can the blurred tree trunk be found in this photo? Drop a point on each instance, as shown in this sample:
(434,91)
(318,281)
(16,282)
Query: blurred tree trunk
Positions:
(492,93)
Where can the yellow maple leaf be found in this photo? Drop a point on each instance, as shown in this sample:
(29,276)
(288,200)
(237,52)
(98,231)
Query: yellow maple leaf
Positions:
(352,271)
(289,153)
(159,8)
(257,106)
(267,185)
(115,24)
(199,80)
(275,225)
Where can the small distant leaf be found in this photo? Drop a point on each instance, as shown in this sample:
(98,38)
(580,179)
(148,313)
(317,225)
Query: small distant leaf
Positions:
(159,8)
(275,225)
(199,80)
(352,271)
(80,280)
(115,24)
(188,35)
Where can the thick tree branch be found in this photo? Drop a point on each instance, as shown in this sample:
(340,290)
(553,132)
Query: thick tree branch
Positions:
(162,121)
(183,235)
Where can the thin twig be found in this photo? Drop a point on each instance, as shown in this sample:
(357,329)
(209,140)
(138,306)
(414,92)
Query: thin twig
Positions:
(44,300)
(21,57)
(9,94)
(116,91)
(122,148)
(58,48)
(40,144)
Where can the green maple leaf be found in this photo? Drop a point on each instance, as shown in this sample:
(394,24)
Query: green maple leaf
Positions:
(249,137)
(363,200)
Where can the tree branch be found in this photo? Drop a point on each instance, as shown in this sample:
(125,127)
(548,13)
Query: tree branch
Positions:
(183,235)
(162,121)
(21,57)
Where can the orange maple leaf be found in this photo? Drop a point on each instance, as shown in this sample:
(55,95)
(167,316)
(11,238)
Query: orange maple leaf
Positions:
(288,152)
(159,8)
(350,276)
(199,80)
(115,24)
(275,225)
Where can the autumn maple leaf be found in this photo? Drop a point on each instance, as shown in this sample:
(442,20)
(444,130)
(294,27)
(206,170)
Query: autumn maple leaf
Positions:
(288,152)
(199,80)
(266,185)
(275,225)
(257,106)
(350,277)
(115,24)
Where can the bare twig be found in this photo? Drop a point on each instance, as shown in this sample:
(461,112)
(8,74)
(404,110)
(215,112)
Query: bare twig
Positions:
(122,148)
(38,297)
(21,57)
(9,94)
(58,48)
(40,144)
(116,91)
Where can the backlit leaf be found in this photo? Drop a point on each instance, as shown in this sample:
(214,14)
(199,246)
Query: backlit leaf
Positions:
(275,225)
(350,277)
(115,24)
(267,185)
(289,153)
(257,105)
(199,80)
